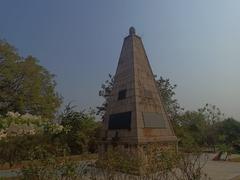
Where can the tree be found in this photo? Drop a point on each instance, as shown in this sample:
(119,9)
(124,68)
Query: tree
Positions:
(193,127)
(212,113)
(229,129)
(201,125)
(166,90)
(82,129)
(105,92)
(25,86)
(213,116)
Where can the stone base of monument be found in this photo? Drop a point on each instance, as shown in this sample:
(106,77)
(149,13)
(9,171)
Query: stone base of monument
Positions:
(137,159)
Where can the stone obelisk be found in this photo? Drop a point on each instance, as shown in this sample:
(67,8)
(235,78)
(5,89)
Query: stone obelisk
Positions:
(135,114)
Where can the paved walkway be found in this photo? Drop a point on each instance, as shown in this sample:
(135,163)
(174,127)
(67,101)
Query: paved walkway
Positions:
(223,170)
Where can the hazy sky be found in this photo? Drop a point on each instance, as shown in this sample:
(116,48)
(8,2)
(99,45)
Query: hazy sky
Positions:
(194,43)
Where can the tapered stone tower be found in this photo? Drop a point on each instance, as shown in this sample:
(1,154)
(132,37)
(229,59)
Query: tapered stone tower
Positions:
(135,113)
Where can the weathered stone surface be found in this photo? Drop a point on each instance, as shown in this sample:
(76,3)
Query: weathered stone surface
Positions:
(135,78)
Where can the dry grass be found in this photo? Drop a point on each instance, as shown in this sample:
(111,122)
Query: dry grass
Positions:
(237,159)
(82,157)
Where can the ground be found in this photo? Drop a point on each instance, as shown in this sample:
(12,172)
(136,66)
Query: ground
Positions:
(222,170)
(216,170)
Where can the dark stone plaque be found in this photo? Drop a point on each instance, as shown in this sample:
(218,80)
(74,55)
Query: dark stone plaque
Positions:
(120,121)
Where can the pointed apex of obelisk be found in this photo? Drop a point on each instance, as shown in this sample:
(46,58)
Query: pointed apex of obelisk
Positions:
(132,31)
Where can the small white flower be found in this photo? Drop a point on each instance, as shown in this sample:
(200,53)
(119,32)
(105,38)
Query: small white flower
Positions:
(30,116)
(13,114)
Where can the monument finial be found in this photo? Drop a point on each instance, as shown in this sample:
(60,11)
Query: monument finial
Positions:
(132,31)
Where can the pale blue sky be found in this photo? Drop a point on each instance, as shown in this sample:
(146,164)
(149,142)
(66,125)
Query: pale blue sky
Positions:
(194,43)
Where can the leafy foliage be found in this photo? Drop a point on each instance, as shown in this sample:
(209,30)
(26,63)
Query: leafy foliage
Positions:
(29,137)
(27,147)
(192,125)
(105,92)
(25,86)
(83,130)
(229,130)
(166,90)
(20,122)
(54,168)
(201,125)
(207,127)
